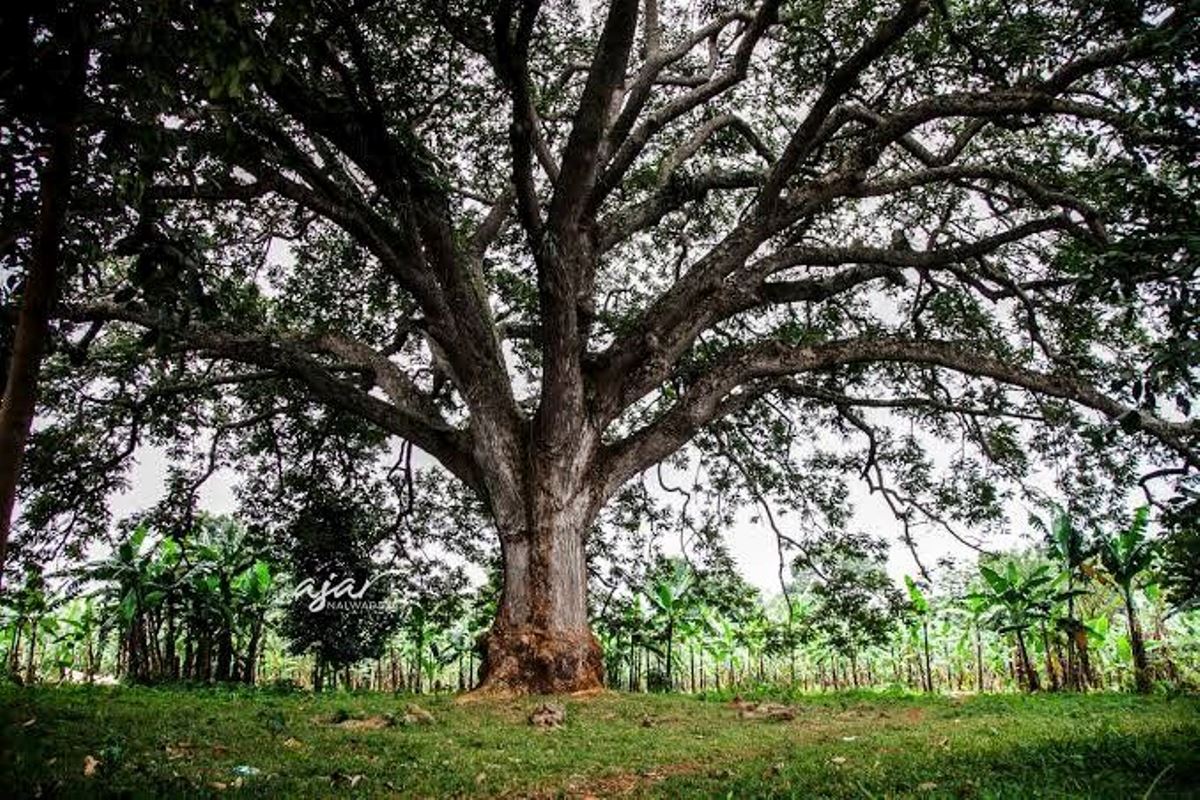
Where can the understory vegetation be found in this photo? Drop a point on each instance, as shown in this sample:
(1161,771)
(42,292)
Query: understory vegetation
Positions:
(1079,611)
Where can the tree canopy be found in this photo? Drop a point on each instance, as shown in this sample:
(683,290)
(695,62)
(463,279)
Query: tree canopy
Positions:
(551,245)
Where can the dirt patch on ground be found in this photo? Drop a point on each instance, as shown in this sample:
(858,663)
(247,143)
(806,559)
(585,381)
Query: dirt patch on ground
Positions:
(623,784)
(367,724)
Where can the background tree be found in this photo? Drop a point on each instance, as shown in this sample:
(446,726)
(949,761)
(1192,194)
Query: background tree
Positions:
(855,603)
(330,544)
(1071,550)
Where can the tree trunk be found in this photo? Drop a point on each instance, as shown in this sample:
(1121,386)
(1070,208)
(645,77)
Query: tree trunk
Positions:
(1032,684)
(1141,667)
(928,661)
(541,642)
(37,296)
(1051,673)
(978,661)
(30,664)
(248,675)
(1073,680)
(224,654)
(670,637)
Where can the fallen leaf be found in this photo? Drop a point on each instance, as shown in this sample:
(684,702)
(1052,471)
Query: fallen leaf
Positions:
(927,786)
(292,743)
(90,764)
(180,750)
(839,760)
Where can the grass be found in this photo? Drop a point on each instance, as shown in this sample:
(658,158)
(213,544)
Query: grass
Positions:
(190,743)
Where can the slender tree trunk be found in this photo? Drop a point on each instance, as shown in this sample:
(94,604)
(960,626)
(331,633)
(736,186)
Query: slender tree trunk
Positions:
(172,663)
(224,654)
(670,637)
(1073,680)
(1051,673)
(14,650)
(1141,667)
(1087,676)
(249,676)
(928,661)
(37,296)
(30,664)
(978,661)
(1032,684)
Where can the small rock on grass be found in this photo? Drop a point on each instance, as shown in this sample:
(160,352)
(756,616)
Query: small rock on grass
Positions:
(548,715)
(415,715)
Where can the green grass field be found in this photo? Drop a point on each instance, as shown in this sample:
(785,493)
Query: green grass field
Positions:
(177,743)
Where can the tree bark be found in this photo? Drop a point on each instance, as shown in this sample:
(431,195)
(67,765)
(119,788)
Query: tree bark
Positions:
(541,642)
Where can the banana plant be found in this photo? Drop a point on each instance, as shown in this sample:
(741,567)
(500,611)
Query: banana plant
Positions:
(672,608)
(721,643)
(1125,557)
(253,593)
(1068,545)
(1017,602)
(131,589)
(920,608)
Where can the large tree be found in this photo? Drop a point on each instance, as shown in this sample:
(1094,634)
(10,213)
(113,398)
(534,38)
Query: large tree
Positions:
(552,244)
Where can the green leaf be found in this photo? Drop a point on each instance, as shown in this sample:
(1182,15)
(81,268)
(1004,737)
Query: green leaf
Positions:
(993,578)
(916,596)
(128,606)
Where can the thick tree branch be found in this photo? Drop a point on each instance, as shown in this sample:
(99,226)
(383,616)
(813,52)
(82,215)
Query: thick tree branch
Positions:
(746,374)
(606,78)
(289,355)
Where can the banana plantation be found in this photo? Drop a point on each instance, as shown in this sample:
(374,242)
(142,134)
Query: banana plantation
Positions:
(1077,613)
